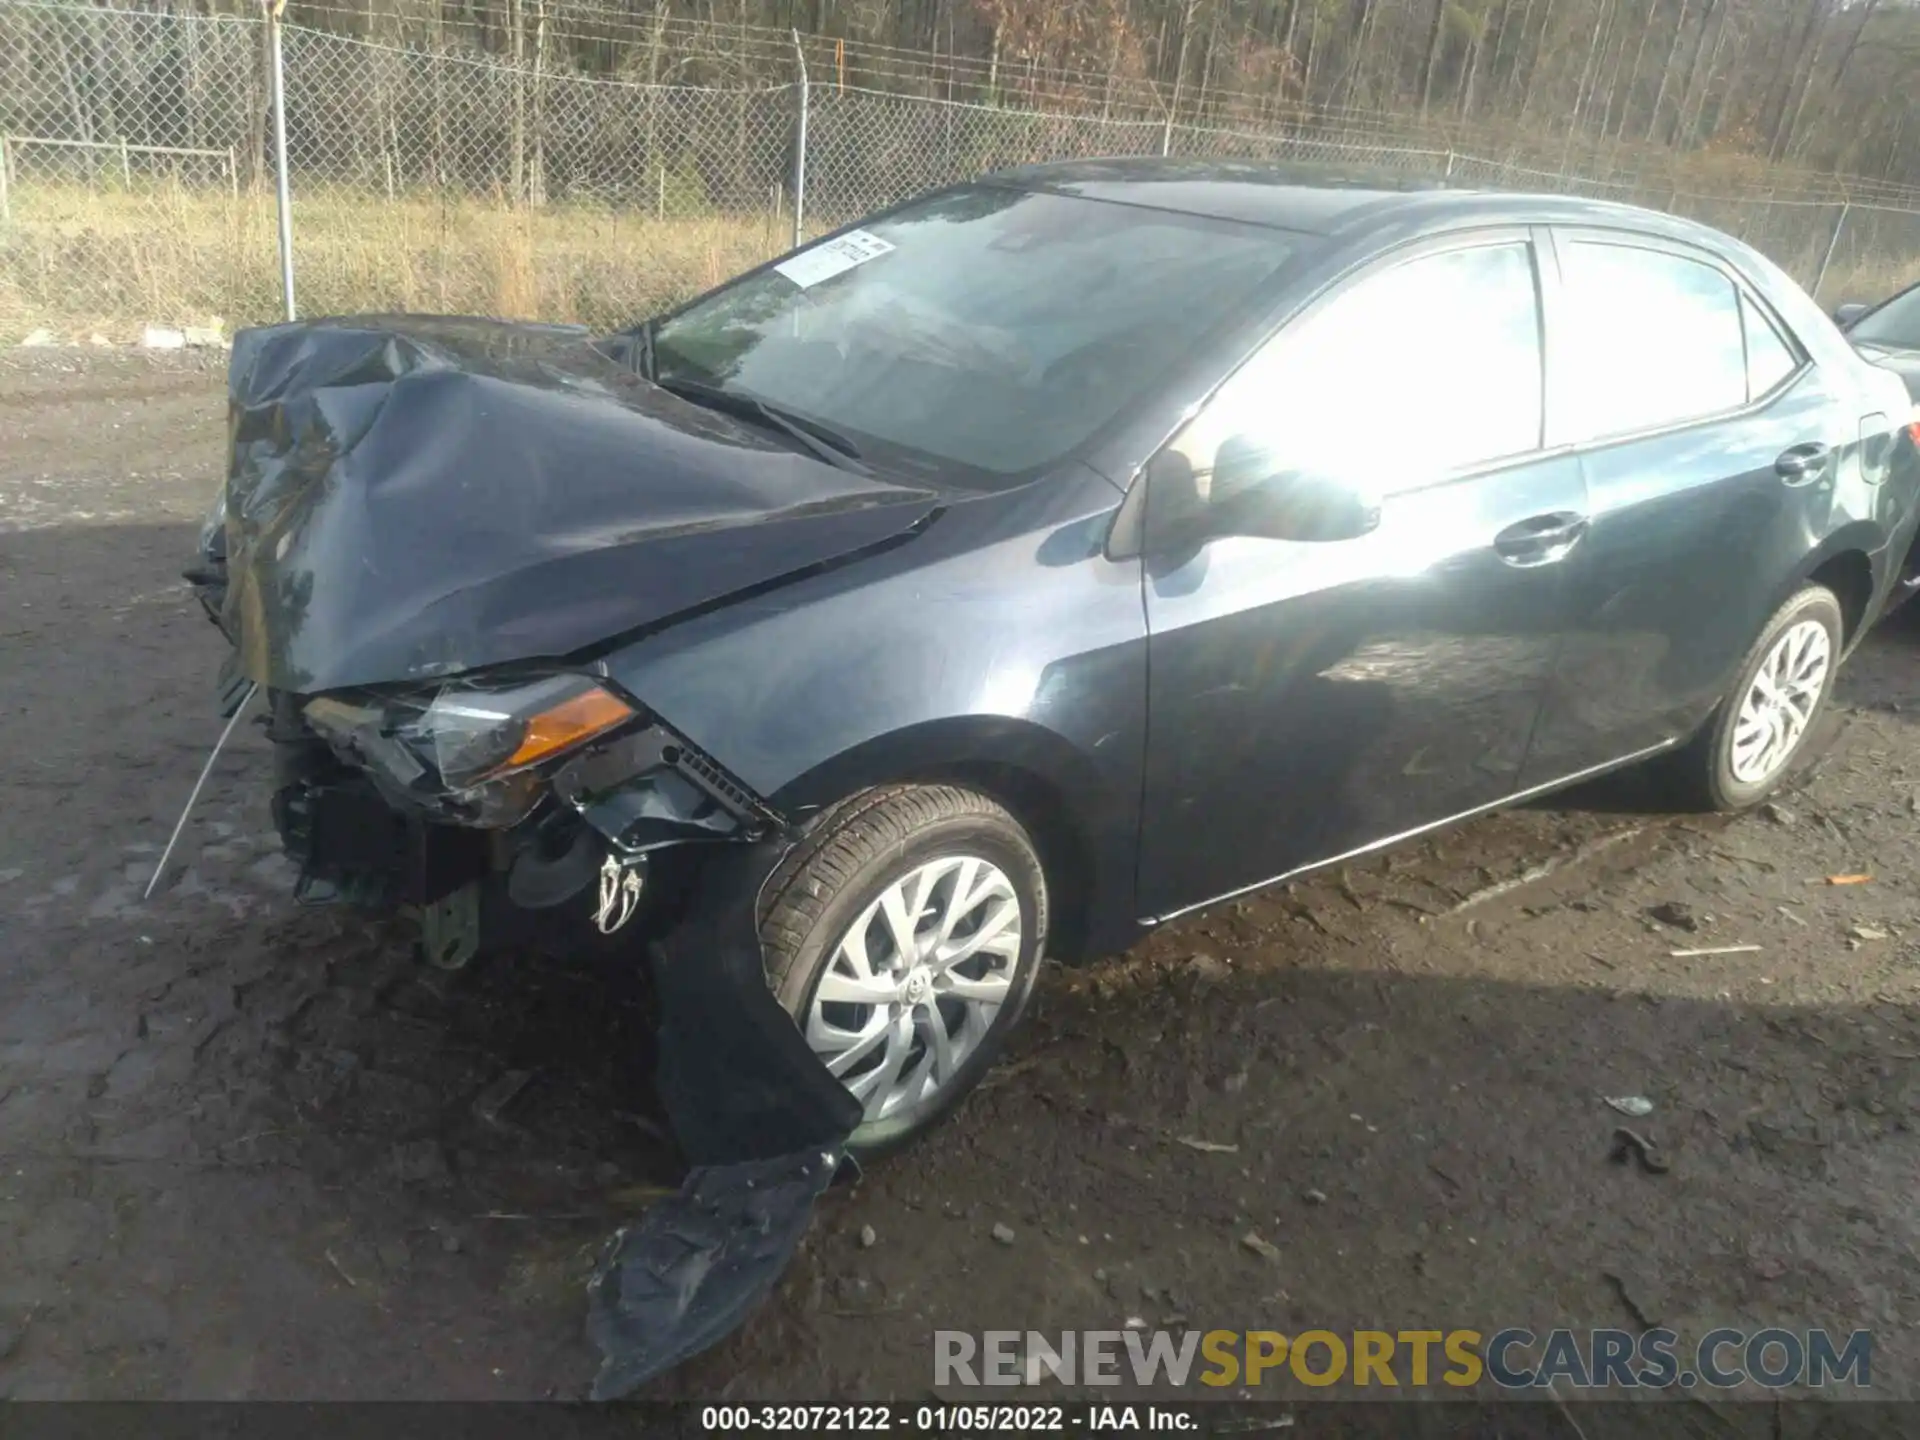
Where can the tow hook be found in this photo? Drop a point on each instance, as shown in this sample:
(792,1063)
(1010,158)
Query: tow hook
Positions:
(622,878)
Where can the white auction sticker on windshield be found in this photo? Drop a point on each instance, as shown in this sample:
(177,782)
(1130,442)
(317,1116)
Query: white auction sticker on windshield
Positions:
(832,257)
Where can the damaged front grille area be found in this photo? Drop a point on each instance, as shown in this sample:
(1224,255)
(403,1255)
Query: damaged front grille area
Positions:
(361,816)
(350,844)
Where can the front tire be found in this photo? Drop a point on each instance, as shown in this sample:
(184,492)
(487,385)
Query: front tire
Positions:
(904,936)
(1782,687)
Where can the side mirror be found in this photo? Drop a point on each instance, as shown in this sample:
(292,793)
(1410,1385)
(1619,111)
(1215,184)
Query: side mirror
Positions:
(1254,495)
(1845,315)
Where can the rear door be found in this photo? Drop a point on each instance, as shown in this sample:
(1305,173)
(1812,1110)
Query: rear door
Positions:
(1710,448)
(1309,697)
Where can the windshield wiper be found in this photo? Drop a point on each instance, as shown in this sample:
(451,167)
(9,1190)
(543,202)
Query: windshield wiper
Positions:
(827,444)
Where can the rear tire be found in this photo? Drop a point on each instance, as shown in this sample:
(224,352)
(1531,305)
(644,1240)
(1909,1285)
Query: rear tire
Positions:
(910,1030)
(1778,695)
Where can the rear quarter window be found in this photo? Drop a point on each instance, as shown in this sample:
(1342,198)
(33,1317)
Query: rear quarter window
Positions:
(1650,339)
(1770,359)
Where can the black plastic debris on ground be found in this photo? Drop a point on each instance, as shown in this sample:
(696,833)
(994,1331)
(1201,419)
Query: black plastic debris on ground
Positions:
(690,1272)
(760,1118)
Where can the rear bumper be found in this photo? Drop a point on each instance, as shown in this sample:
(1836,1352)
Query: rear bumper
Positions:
(1906,580)
(1904,552)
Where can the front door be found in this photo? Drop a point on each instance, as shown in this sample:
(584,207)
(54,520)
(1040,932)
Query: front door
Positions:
(1309,697)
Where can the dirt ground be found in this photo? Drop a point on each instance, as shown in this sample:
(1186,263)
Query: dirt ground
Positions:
(241,1154)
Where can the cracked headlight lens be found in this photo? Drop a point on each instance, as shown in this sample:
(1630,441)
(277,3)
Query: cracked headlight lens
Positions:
(469,742)
(473,735)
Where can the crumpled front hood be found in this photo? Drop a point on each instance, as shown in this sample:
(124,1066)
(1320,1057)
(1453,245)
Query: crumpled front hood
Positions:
(412,496)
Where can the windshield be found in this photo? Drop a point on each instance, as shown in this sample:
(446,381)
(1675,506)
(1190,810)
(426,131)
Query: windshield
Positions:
(988,328)
(1895,324)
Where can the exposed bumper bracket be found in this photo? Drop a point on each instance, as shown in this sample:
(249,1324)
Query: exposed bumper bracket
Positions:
(651,788)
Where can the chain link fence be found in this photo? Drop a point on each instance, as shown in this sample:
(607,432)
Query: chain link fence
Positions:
(137,171)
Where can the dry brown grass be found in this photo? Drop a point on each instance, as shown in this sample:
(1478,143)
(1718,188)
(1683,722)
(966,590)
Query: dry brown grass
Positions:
(1868,281)
(79,262)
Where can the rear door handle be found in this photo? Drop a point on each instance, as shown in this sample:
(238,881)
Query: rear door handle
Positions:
(1540,539)
(1800,463)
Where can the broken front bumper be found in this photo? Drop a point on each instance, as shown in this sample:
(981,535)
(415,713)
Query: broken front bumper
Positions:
(758,1116)
(581,842)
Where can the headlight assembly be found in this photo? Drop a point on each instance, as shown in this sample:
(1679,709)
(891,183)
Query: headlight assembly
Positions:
(474,735)
(470,747)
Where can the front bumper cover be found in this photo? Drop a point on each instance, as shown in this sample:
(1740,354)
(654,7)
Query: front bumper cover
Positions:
(762,1122)
(759,1116)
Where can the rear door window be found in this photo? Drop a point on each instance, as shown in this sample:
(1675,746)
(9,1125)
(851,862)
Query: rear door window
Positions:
(1647,339)
(1769,358)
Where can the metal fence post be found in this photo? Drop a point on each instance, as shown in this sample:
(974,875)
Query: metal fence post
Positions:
(800,148)
(278,80)
(1833,242)
(1166,136)
(1449,173)
(6,203)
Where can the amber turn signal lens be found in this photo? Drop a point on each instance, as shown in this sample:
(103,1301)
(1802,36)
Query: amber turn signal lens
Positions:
(567,724)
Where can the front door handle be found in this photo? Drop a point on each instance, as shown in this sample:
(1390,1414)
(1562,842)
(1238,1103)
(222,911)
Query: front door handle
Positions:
(1800,463)
(1540,539)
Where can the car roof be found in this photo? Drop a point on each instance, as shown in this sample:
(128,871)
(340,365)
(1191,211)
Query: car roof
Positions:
(1320,199)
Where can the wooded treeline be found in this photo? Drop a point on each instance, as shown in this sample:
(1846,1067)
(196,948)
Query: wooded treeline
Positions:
(1825,85)
(1752,89)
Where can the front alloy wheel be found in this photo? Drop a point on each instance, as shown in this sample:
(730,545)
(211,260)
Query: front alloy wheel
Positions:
(915,985)
(903,937)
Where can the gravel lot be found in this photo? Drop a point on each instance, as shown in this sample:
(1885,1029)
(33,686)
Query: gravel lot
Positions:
(240,1152)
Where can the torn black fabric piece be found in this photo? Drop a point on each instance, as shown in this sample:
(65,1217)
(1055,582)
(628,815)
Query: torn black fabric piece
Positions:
(760,1118)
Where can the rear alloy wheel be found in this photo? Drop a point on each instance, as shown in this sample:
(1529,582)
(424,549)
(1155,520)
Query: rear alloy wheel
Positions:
(1778,707)
(1763,724)
(904,937)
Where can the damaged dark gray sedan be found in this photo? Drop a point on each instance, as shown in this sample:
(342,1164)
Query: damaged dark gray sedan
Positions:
(1036,561)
